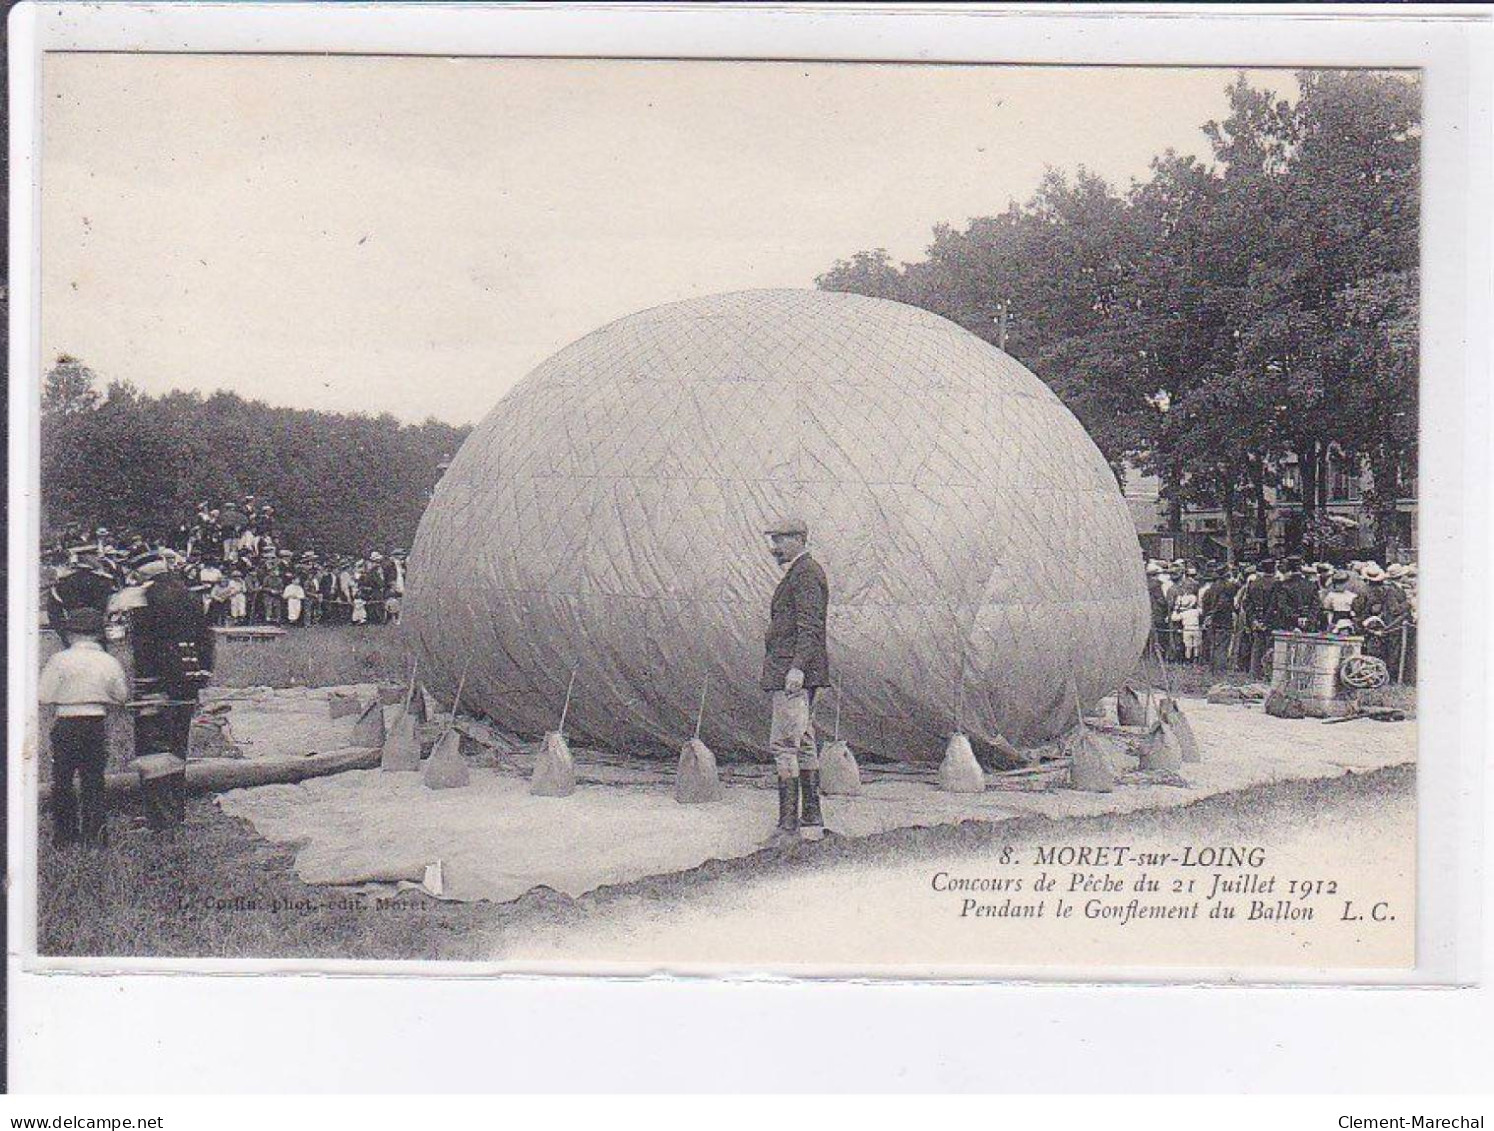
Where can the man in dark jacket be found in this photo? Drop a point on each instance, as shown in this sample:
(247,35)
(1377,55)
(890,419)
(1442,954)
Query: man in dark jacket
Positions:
(1256,607)
(1295,605)
(172,647)
(1161,607)
(1218,617)
(795,667)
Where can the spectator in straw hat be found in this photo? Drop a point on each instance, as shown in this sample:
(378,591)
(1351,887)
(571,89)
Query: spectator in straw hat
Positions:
(1379,612)
(86,584)
(795,667)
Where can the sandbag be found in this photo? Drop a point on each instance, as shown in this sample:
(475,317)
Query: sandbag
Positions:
(401,752)
(839,774)
(446,768)
(210,738)
(1224,694)
(1089,767)
(554,768)
(960,772)
(1170,713)
(697,779)
(369,729)
(1005,755)
(1130,707)
(340,705)
(1282,705)
(1160,749)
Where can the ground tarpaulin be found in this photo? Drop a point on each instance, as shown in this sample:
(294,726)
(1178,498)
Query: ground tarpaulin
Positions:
(496,842)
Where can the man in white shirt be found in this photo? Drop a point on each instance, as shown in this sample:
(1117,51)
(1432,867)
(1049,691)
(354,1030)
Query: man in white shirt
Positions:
(82,682)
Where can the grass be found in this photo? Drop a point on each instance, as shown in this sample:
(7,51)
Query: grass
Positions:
(213,889)
(324,656)
(315,657)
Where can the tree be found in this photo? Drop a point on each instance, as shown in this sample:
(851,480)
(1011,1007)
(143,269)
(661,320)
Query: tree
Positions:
(1217,322)
(1333,181)
(870,273)
(68,388)
(339,483)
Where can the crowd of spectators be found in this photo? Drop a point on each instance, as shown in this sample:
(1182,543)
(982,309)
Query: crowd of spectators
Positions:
(1225,615)
(230,556)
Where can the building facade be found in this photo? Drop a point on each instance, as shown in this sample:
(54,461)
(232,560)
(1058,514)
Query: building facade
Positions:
(1349,530)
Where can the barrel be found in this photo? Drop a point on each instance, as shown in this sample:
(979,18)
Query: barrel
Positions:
(1305,666)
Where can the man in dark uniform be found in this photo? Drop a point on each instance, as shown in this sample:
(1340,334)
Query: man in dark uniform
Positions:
(1256,606)
(795,667)
(172,647)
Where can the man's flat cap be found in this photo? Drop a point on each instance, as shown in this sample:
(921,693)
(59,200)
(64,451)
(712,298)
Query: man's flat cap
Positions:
(789,526)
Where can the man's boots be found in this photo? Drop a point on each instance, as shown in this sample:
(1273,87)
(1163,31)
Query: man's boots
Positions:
(812,824)
(787,832)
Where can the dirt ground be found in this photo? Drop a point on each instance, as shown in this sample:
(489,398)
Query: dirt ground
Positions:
(592,889)
(496,841)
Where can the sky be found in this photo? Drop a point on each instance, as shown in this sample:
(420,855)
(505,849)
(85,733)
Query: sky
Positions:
(414,235)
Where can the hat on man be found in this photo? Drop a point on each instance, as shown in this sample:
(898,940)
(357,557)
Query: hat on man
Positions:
(1341,576)
(789,526)
(86,619)
(93,564)
(1268,565)
(1292,564)
(1373,572)
(1153,569)
(148,564)
(1395,571)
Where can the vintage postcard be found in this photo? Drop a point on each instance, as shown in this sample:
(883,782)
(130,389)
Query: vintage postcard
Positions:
(862,517)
